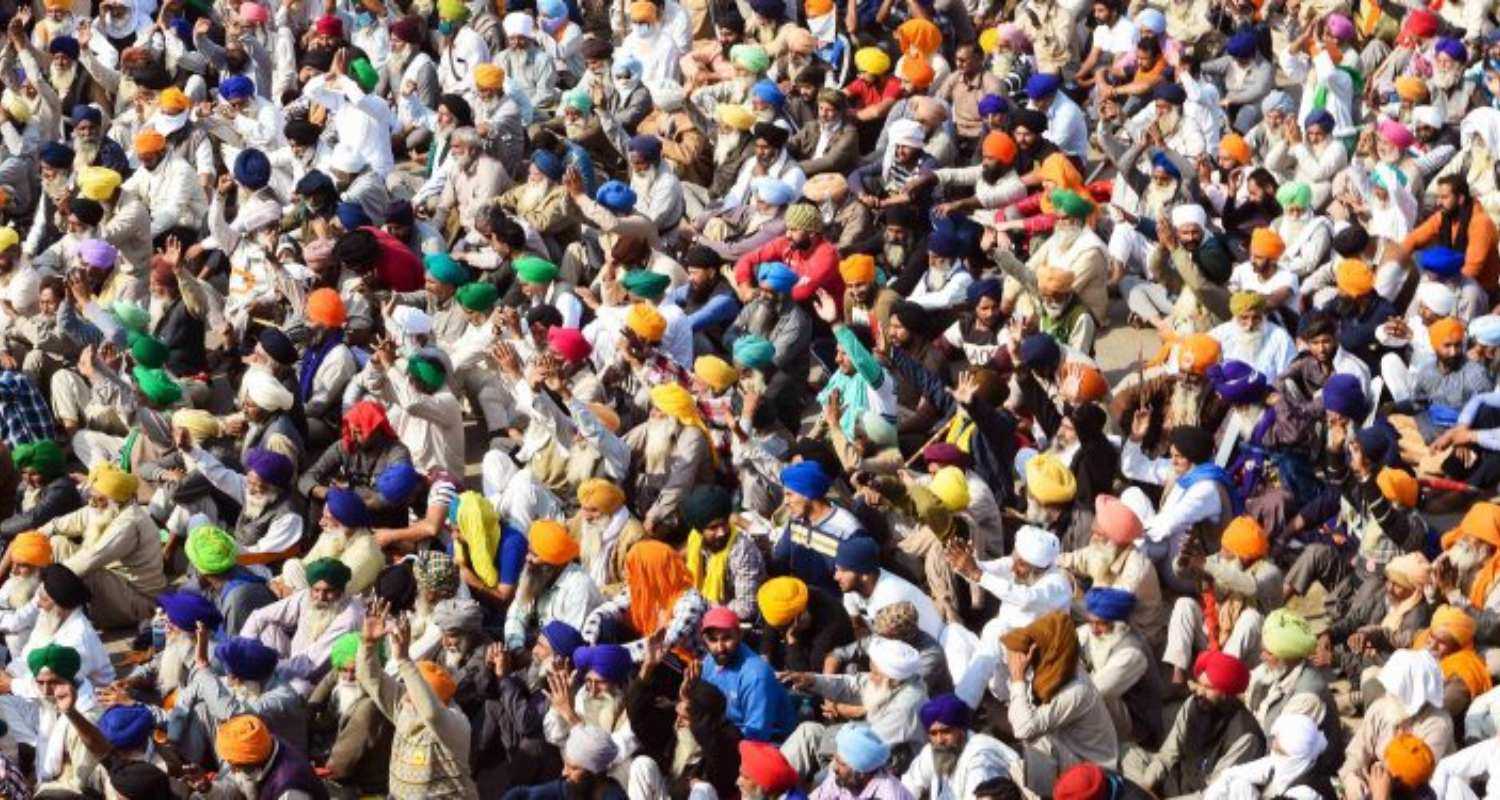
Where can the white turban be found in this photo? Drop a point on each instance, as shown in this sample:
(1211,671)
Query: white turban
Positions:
(666,95)
(1277,100)
(458,614)
(1298,737)
(1189,214)
(1485,330)
(1427,115)
(1036,547)
(1414,678)
(1438,299)
(894,659)
(589,747)
(257,214)
(519,23)
(908,132)
(262,389)
(411,320)
(346,158)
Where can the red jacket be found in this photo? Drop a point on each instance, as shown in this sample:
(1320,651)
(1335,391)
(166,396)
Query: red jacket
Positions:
(398,269)
(818,267)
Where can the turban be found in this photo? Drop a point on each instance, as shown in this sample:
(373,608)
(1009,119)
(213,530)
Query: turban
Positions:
(1451,48)
(186,609)
(804,217)
(646,146)
(768,92)
(326,308)
(1266,243)
(149,142)
(1340,26)
(858,268)
(872,60)
(1040,353)
(351,215)
(8,236)
(1319,119)
(736,116)
(1197,352)
(643,11)
(329,25)
(563,638)
(1241,44)
(1441,261)
(247,659)
(943,243)
(1050,481)
(1427,117)
(64,586)
(999,146)
(590,748)
(397,585)
(609,661)
(1342,394)
(916,71)
(478,296)
(859,747)
(1287,636)
(946,709)
(348,508)
(262,389)
(109,480)
(894,659)
(173,101)
(646,322)
(551,543)
(1419,23)
(211,550)
(1409,760)
(1294,195)
(579,101)
(341,655)
(1042,85)
(534,270)
(328,570)
(645,283)
(1195,444)
(1081,782)
(1411,89)
(458,614)
(156,385)
(568,343)
(397,482)
(1246,539)
(678,403)
(992,104)
(807,479)
(616,196)
(1110,605)
(1486,330)
(436,573)
(776,276)
(147,350)
(32,549)
(198,422)
(1455,624)
(244,741)
(427,371)
(252,169)
(1395,134)
(774,135)
(951,487)
(98,183)
(1354,277)
(1119,524)
(488,76)
(236,87)
(127,727)
(1160,160)
(1234,147)
(64,45)
(444,269)
(254,14)
(781,600)
(754,352)
(43,456)
(1244,302)
(56,154)
(138,780)
(763,765)
(859,554)
(751,58)
(1237,382)
(602,495)
(1169,92)
(773,192)
(705,505)
(1189,214)
(100,254)
(1036,546)
(1447,330)
(920,35)
(1222,672)
(547,163)
(1071,204)
(478,526)
(1398,486)
(64,661)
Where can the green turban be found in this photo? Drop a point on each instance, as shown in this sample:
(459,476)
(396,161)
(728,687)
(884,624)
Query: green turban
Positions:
(427,372)
(364,74)
(452,10)
(579,100)
(45,457)
(645,283)
(158,387)
(751,58)
(1071,204)
(347,646)
(63,661)
(754,352)
(131,316)
(148,351)
(211,550)
(1294,195)
(444,269)
(1287,636)
(478,296)
(531,269)
(328,570)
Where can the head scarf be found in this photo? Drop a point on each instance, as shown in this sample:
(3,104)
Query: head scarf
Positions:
(366,418)
(1414,679)
(656,577)
(1056,659)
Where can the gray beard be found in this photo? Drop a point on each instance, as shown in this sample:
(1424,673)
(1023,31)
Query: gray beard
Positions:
(1444,79)
(85,152)
(453,659)
(22,589)
(1251,340)
(1064,236)
(256,503)
(174,662)
(346,694)
(945,761)
(603,711)
(1184,406)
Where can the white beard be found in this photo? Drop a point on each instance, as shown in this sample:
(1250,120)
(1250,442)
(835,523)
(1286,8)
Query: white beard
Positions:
(1184,406)
(453,659)
(1249,342)
(1064,236)
(1167,123)
(22,589)
(1445,79)
(245,691)
(603,711)
(316,620)
(345,695)
(62,78)
(532,195)
(725,146)
(174,663)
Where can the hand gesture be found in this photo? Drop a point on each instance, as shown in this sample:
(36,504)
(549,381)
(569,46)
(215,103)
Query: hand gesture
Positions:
(65,695)
(572,181)
(373,629)
(225,184)
(385,352)
(183,439)
(1378,780)
(690,675)
(1017,663)
(506,358)
(79,289)
(400,636)
(172,253)
(85,34)
(801,681)
(560,691)
(201,638)
(826,307)
(1166,236)
(498,658)
(201,27)
(656,650)
(961,559)
(16,31)
(1140,424)
(968,384)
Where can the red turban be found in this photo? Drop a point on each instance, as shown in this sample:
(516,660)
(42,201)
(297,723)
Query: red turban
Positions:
(568,343)
(1080,782)
(766,767)
(1222,672)
(365,418)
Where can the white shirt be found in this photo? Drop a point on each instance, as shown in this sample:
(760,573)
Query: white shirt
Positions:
(1270,350)
(1450,781)
(983,758)
(1180,508)
(280,536)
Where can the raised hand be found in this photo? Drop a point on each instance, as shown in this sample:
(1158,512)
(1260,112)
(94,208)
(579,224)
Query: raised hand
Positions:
(400,636)
(826,307)
(373,629)
(201,636)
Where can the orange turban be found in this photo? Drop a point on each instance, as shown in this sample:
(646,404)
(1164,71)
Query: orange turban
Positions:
(488,76)
(1411,89)
(646,322)
(32,549)
(1246,539)
(1234,147)
(601,494)
(244,741)
(172,100)
(439,679)
(915,69)
(1482,522)
(817,8)
(149,141)
(1091,385)
(1447,330)
(1053,280)
(1398,486)
(998,146)
(1409,760)
(919,34)
(1455,624)
(1354,277)
(858,268)
(1266,243)
(1197,352)
(326,308)
(551,542)
(643,11)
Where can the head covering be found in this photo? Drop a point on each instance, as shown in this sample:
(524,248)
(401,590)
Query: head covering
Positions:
(488,76)
(1036,546)
(32,549)
(186,609)
(436,573)
(1237,382)
(550,541)
(98,183)
(590,748)
(719,618)
(156,386)
(1222,672)
(1246,539)
(326,308)
(859,747)
(1319,119)
(616,196)
(646,322)
(139,780)
(610,662)
(341,655)
(1049,480)
(1354,277)
(1287,635)
(108,479)
(244,741)
(211,550)
(781,600)
(1197,352)
(1108,604)
(64,661)
(328,570)
(1414,678)
(1189,214)
(1266,243)
(1442,262)
(43,456)
(442,268)
(1056,660)
(872,60)
(252,169)
(894,659)
(858,554)
(1447,330)
(645,283)
(563,638)
(763,765)
(1169,92)
(246,658)
(478,296)
(1409,760)
(1398,486)
(1119,524)
(1342,394)
(807,479)
(754,352)
(1246,301)
(776,276)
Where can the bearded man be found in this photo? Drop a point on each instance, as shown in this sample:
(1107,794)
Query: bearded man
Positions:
(1121,666)
(1074,248)
(599,702)
(256,759)
(57,718)
(1251,338)
(303,626)
(726,565)
(553,586)
(1168,399)
(209,699)
(170,667)
(29,553)
(236,590)
(1470,553)
(1111,560)
(462,645)
(954,761)
(886,699)
(541,201)
(359,752)
(271,516)
(267,419)
(47,492)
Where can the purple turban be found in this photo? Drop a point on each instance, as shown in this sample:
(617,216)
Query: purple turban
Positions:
(97,253)
(609,661)
(270,466)
(1343,394)
(246,659)
(947,709)
(1340,26)
(186,609)
(1237,382)
(1453,49)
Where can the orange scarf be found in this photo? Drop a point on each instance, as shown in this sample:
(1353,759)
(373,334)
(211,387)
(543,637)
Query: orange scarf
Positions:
(1056,660)
(656,576)
(1467,666)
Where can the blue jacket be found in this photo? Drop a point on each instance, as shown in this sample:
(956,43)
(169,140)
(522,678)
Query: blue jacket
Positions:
(756,702)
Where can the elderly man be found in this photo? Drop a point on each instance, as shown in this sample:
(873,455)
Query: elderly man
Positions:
(887,699)
(47,491)
(1251,338)
(62,709)
(1072,248)
(209,699)
(271,514)
(860,768)
(1191,266)
(1246,585)
(600,702)
(29,553)
(1121,665)
(554,586)
(587,755)
(955,761)
(257,759)
(303,626)
(1199,498)
(359,751)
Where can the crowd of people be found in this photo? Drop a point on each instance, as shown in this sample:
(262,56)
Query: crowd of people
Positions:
(646,399)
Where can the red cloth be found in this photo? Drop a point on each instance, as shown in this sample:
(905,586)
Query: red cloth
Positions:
(862,93)
(398,268)
(568,343)
(1080,782)
(1221,671)
(766,767)
(366,417)
(816,268)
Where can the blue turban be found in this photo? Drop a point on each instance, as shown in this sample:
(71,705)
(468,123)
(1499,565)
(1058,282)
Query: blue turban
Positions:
(629,65)
(859,554)
(548,163)
(1171,92)
(1237,382)
(860,748)
(247,659)
(352,216)
(609,661)
(1342,393)
(770,9)
(985,287)
(754,352)
(252,169)
(127,727)
(646,146)
(564,638)
(1040,352)
(314,182)
(773,192)
(947,709)
(56,154)
(778,276)
(1452,48)
(1319,119)
(186,609)
(991,104)
(768,92)
(943,243)
(236,87)
(807,479)
(64,45)
(1042,84)
(1167,165)
(396,483)
(1110,605)
(616,196)
(1443,262)
(552,9)
(1241,44)
(1485,330)
(444,269)
(270,466)
(348,508)
(1377,443)
(84,112)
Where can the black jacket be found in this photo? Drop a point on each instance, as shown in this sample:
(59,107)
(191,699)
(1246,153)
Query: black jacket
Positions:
(58,498)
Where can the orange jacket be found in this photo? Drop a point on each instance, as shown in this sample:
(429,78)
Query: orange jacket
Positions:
(1481,259)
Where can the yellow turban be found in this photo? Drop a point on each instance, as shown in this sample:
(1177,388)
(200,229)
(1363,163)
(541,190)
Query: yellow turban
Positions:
(676,402)
(872,60)
(32,549)
(8,238)
(646,322)
(1266,243)
(98,183)
(479,528)
(716,372)
(1197,352)
(1411,89)
(858,268)
(601,495)
(781,600)
(1049,480)
(108,479)
(489,76)
(1246,539)
(951,487)
(1455,624)
(201,424)
(1241,302)
(551,542)
(735,116)
(989,41)
(1053,280)
(244,741)
(1354,278)
(173,101)
(642,11)
(1398,486)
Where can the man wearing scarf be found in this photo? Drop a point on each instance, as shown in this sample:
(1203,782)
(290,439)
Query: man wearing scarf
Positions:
(1306,235)
(772,312)
(1242,585)
(170,667)
(672,450)
(1460,223)
(1285,681)
(1295,767)
(63,709)
(270,520)
(540,200)
(425,414)
(462,648)
(1471,558)
(1212,732)
(890,696)
(367,446)
(1450,637)
(29,554)
(553,587)
(605,529)
(658,602)
(360,748)
(1252,339)
(955,761)
(600,702)
(726,565)
(1120,664)
(1199,497)
(209,699)
(345,536)
(303,625)
(327,365)
(1412,703)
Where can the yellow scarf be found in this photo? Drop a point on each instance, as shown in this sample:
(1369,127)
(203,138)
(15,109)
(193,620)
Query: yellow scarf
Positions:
(709,577)
(960,431)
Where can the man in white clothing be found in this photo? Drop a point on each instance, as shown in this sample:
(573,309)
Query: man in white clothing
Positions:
(954,761)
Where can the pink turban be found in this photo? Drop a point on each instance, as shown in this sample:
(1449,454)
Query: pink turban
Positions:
(1116,521)
(1340,26)
(1395,133)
